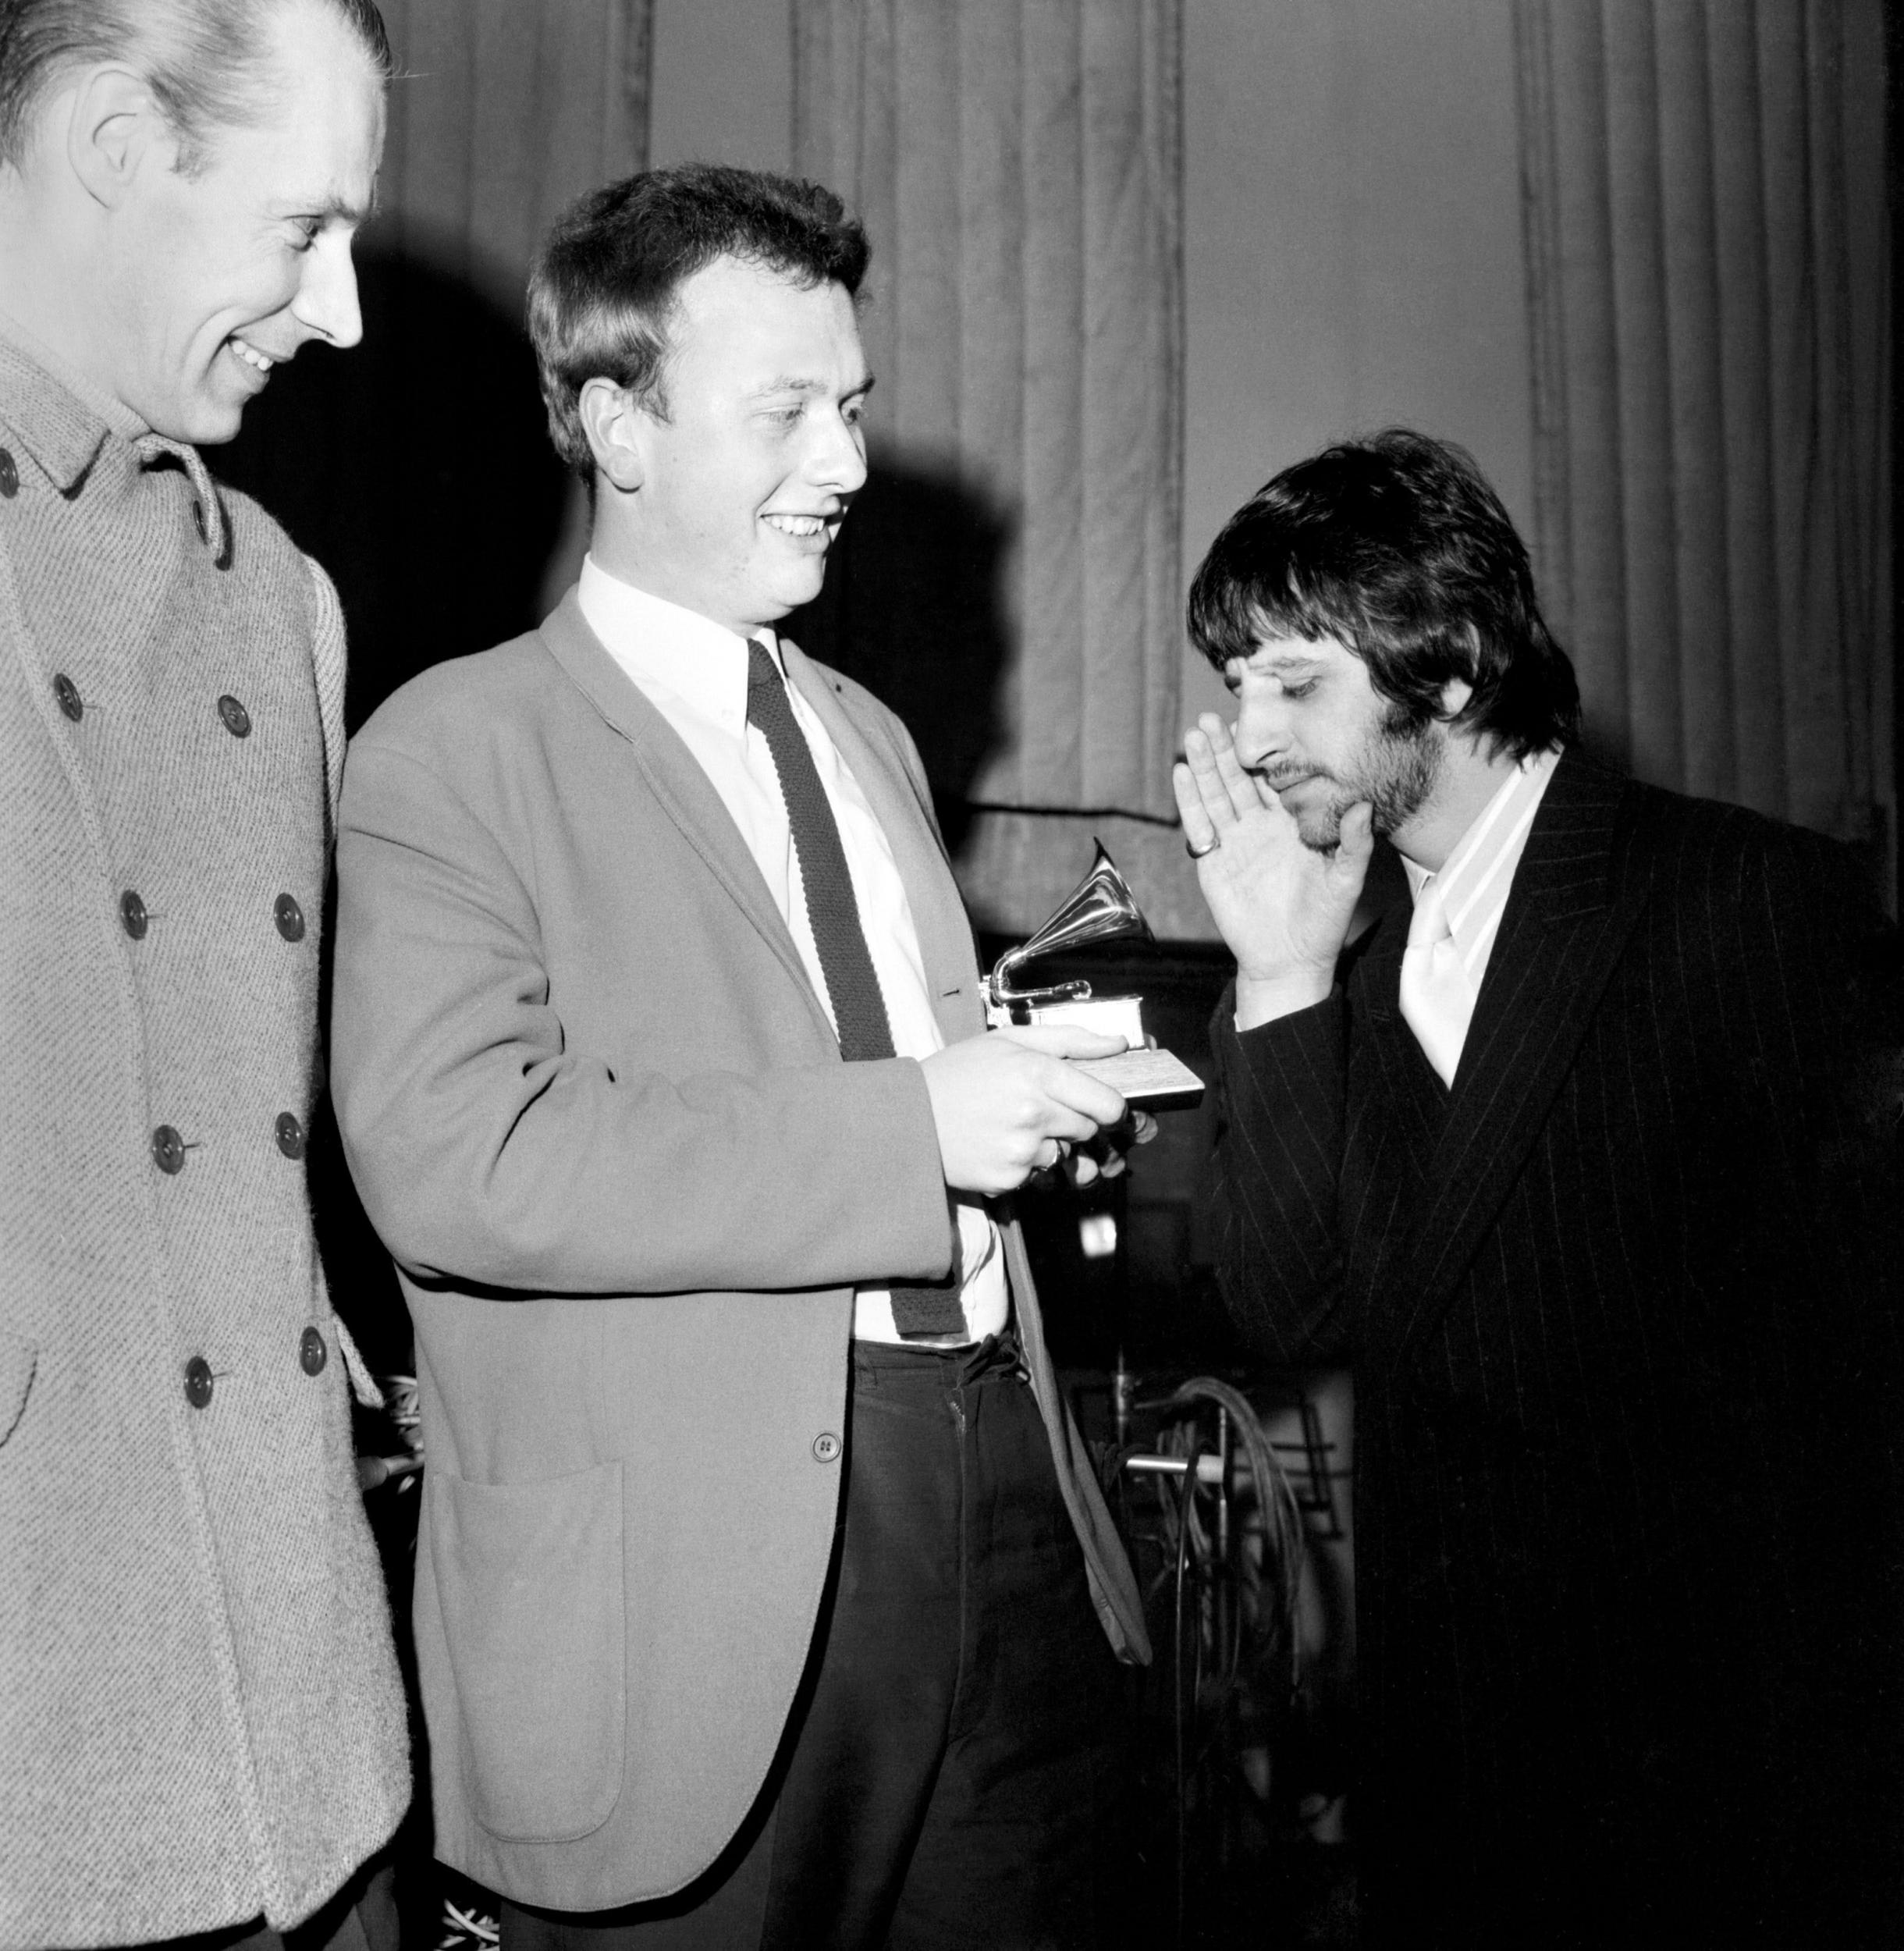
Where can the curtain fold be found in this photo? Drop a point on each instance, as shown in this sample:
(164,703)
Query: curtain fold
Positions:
(1707,248)
(1018,164)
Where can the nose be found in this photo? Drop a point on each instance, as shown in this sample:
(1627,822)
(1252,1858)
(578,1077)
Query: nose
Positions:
(838,459)
(326,303)
(1262,726)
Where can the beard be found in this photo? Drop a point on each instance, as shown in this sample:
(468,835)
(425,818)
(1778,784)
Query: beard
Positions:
(1394,772)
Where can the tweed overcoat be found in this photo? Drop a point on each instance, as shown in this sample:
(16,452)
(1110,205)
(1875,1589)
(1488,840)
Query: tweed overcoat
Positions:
(1622,1309)
(600,1117)
(201,1716)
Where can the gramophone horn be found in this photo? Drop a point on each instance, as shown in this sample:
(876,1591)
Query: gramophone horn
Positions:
(1100,908)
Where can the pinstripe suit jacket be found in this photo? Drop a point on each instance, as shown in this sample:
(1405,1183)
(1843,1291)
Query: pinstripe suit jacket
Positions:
(1619,1307)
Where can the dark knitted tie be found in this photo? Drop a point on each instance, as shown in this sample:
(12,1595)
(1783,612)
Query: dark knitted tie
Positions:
(833,912)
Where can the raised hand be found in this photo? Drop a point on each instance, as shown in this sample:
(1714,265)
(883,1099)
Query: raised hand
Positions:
(1284,908)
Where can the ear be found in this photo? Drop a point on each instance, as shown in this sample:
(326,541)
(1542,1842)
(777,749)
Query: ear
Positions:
(1456,692)
(614,426)
(114,130)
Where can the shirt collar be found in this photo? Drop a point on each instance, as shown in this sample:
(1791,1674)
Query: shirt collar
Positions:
(1494,839)
(58,415)
(665,648)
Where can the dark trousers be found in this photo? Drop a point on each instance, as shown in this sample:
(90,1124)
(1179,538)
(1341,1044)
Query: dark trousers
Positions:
(954,1770)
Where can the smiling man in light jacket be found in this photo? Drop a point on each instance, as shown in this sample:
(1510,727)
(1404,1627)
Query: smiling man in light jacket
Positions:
(763,1586)
(201,1726)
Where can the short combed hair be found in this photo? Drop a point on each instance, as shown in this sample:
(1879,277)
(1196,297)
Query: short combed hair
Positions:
(608,276)
(1396,546)
(209,62)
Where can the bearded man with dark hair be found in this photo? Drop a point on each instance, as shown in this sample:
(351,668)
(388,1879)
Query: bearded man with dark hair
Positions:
(202,1728)
(1581,1170)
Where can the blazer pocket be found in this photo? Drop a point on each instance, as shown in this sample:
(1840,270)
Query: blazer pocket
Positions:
(18,1360)
(529,1579)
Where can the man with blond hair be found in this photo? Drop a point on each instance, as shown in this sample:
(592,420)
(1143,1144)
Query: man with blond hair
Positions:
(202,1729)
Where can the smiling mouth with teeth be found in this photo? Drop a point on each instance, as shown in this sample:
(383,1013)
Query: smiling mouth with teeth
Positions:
(807,525)
(257,361)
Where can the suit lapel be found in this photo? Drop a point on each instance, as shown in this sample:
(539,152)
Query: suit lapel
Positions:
(1566,922)
(905,815)
(681,788)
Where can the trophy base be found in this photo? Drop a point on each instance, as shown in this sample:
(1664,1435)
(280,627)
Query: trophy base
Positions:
(1153,1078)
(1109,1015)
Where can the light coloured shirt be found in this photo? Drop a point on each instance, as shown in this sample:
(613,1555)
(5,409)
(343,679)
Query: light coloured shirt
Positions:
(1479,874)
(694,672)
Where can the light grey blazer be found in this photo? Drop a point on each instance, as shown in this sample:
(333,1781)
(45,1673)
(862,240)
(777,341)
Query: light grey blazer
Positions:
(599,1116)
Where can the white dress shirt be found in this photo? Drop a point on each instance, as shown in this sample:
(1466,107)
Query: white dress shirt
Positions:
(693,673)
(1477,877)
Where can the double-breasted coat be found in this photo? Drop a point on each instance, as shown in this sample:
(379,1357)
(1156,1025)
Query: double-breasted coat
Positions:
(201,1716)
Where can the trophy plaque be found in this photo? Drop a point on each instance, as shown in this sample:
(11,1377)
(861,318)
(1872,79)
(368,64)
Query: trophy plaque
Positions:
(1101,909)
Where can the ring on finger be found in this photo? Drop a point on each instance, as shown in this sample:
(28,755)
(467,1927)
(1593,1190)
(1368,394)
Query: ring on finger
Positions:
(1208,846)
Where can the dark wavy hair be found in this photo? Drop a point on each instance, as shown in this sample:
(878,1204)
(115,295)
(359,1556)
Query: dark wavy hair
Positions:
(209,63)
(605,281)
(1397,547)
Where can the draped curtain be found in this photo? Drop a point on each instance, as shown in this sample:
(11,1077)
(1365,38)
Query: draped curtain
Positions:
(1708,286)
(1011,582)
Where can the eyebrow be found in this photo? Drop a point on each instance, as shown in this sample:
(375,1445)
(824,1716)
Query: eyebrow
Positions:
(1284,660)
(329,205)
(787,383)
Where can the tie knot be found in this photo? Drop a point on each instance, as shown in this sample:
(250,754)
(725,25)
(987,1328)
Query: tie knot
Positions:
(761,668)
(1429,923)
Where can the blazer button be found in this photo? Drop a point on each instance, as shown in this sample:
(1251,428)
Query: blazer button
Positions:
(132,912)
(826,1447)
(10,476)
(168,1149)
(311,1351)
(291,1135)
(290,917)
(68,693)
(237,719)
(198,1382)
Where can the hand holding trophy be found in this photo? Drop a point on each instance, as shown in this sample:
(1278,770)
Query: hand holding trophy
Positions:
(1100,908)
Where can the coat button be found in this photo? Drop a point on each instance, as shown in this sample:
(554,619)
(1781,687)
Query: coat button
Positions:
(68,693)
(10,476)
(132,912)
(311,1351)
(291,1135)
(168,1149)
(290,917)
(237,719)
(198,1382)
(826,1447)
